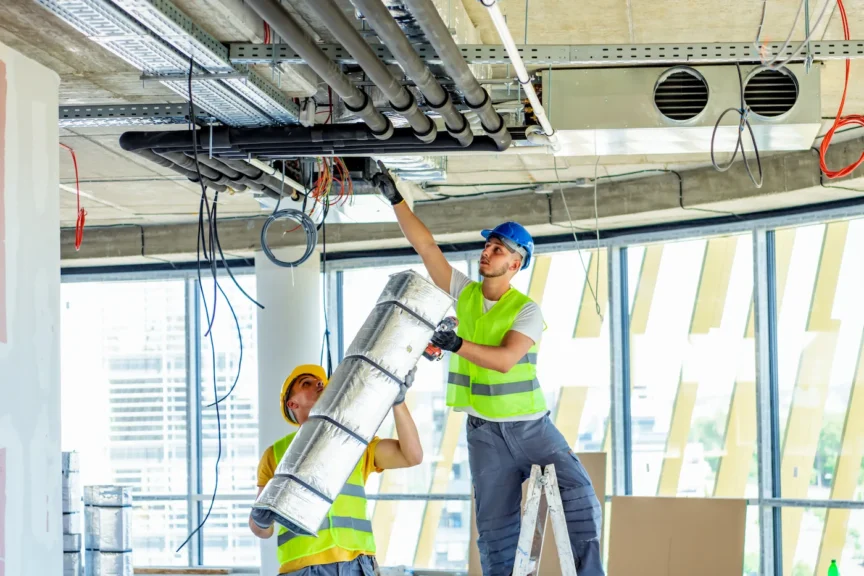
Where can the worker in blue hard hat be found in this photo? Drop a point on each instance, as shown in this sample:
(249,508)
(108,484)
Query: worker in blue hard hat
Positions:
(493,379)
(346,545)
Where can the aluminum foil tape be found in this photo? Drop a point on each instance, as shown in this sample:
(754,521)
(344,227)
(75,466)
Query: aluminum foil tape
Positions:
(109,529)
(107,496)
(100,563)
(71,542)
(349,412)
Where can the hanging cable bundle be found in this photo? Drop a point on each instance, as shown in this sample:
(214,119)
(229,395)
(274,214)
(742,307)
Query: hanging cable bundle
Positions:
(840,121)
(303,221)
(744,122)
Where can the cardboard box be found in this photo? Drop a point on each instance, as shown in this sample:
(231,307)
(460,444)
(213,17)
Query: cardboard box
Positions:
(595,465)
(676,536)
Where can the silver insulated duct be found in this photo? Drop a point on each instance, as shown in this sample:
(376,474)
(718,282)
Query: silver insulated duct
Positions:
(349,412)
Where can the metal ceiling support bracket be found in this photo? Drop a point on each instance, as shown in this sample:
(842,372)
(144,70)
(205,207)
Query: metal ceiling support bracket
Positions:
(231,101)
(583,55)
(171,24)
(129,115)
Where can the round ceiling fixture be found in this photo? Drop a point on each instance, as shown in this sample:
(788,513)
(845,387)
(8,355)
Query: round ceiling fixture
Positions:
(681,94)
(771,93)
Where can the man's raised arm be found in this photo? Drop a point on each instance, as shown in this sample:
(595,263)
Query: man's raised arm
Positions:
(416,232)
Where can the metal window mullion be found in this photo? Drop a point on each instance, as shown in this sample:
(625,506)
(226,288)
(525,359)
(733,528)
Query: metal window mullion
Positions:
(193,418)
(767,403)
(339,305)
(619,352)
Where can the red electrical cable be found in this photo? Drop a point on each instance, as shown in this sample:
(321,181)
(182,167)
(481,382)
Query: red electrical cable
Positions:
(840,121)
(79,222)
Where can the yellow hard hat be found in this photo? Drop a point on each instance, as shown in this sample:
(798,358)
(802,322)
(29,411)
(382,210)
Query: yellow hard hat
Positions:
(311,369)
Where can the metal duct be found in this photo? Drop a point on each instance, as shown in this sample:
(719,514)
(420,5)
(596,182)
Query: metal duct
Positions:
(401,99)
(475,96)
(349,412)
(436,97)
(355,99)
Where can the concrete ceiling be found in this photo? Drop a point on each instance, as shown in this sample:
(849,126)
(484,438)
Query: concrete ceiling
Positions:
(121,188)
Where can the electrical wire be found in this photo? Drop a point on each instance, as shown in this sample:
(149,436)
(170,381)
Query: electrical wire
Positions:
(773,64)
(210,244)
(839,120)
(81,214)
(744,122)
(576,242)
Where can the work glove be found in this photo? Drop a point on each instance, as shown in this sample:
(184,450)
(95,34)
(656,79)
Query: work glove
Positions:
(447,340)
(263,517)
(385,184)
(403,388)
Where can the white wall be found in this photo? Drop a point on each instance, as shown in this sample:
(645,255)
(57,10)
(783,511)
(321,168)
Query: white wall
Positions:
(289,333)
(30,509)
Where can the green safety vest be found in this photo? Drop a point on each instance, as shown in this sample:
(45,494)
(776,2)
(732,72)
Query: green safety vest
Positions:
(346,525)
(491,393)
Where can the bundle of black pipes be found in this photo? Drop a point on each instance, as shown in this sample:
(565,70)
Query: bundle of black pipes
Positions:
(297,141)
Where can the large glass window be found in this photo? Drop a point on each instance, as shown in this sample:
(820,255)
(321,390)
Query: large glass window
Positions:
(693,413)
(124,399)
(227,539)
(821,391)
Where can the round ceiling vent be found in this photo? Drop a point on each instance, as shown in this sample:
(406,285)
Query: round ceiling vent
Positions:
(681,94)
(771,93)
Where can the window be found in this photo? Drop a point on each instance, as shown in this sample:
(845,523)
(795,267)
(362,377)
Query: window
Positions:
(821,390)
(115,338)
(692,365)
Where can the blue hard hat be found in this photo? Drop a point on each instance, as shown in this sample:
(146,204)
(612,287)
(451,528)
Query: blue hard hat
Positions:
(517,234)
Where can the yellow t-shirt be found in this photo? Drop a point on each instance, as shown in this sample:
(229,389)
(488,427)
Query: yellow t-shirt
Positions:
(266,471)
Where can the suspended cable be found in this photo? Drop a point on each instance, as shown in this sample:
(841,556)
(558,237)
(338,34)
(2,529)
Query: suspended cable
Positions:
(743,122)
(81,214)
(839,120)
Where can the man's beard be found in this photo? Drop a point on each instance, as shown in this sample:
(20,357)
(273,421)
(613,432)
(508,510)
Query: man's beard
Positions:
(495,273)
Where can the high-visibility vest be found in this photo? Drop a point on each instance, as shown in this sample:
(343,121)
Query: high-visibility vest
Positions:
(346,525)
(489,392)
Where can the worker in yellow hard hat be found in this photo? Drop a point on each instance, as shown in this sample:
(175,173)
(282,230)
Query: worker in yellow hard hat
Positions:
(347,545)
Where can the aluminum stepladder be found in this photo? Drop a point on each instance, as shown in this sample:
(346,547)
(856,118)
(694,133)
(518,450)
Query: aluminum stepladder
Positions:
(533,528)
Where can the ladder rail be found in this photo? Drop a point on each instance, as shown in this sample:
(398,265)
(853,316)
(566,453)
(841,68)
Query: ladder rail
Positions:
(559,523)
(543,498)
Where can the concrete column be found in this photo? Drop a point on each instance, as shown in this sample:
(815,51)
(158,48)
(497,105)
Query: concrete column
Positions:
(30,501)
(289,333)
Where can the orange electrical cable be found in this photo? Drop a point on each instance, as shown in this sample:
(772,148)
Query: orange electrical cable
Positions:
(839,120)
(79,221)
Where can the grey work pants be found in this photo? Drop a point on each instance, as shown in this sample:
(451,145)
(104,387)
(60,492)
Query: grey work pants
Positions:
(361,566)
(500,456)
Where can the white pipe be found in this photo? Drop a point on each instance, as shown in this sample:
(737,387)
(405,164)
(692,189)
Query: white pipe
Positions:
(519,67)
(290,182)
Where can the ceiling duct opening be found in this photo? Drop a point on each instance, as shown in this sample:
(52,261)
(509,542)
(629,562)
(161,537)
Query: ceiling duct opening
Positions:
(681,94)
(771,93)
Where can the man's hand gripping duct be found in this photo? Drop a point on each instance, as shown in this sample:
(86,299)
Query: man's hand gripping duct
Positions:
(349,412)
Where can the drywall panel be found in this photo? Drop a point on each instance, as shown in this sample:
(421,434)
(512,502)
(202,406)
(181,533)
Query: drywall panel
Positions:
(30,506)
(595,465)
(676,536)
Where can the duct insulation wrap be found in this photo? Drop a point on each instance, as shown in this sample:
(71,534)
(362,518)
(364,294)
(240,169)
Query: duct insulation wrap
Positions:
(109,529)
(72,564)
(349,412)
(99,563)
(71,523)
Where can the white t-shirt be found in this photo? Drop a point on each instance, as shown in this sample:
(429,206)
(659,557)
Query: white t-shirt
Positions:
(529,321)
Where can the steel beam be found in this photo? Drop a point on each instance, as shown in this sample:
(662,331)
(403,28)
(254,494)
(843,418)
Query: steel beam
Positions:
(583,55)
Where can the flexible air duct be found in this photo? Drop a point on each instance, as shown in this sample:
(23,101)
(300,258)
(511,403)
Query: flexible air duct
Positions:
(437,98)
(355,99)
(401,99)
(349,412)
(451,57)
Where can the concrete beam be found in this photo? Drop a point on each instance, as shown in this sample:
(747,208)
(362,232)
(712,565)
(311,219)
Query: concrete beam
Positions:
(789,180)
